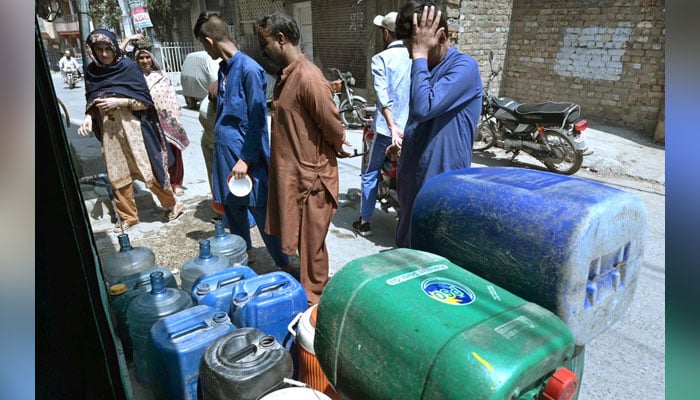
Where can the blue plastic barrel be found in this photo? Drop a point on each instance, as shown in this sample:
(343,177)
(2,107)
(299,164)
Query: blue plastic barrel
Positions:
(145,310)
(269,302)
(175,348)
(214,289)
(204,263)
(570,245)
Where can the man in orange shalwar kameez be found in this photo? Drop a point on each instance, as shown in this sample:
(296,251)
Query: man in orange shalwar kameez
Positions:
(306,139)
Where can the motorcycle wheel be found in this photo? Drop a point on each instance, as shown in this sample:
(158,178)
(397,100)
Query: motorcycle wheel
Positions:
(564,158)
(71,83)
(350,116)
(484,137)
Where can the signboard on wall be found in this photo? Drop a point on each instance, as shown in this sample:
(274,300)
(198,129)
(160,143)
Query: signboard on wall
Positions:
(139,14)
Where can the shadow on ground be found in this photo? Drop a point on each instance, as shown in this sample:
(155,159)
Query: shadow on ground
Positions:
(383,224)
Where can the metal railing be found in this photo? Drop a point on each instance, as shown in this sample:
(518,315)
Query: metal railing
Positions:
(173,54)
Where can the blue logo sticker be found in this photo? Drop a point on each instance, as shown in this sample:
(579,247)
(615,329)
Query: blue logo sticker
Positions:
(448,291)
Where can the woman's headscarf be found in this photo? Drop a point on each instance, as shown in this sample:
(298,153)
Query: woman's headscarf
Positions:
(122,77)
(154,63)
(165,101)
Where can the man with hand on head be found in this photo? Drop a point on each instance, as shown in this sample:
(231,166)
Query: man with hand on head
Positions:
(446,93)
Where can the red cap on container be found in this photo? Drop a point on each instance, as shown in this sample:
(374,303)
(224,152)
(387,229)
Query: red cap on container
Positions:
(561,386)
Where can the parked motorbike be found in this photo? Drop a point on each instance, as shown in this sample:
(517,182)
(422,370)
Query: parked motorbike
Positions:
(551,132)
(349,104)
(386,180)
(71,77)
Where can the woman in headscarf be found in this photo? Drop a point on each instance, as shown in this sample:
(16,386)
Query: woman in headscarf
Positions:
(121,113)
(165,101)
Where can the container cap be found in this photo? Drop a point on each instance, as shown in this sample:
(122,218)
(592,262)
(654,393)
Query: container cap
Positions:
(561,386)
(117,289)
(202,289)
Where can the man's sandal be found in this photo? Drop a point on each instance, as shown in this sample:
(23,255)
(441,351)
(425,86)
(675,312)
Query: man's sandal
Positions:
(123,227)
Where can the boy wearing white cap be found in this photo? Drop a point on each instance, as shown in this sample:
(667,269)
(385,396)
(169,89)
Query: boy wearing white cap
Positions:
(391,73)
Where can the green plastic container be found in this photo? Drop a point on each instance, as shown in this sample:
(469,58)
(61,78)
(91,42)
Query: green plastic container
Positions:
(406,324)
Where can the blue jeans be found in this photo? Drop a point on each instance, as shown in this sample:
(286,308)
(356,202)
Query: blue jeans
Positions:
(236,218)
(370,176)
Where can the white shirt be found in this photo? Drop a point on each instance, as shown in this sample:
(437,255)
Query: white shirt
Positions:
(65,62)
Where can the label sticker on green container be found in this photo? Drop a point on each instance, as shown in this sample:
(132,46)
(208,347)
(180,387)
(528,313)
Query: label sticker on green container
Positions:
(405,277)
(448,291)
(513,328)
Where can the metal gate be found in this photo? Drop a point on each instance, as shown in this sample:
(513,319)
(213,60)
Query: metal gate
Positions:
(173,54)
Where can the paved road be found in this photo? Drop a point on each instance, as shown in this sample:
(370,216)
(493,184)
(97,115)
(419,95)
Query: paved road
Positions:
(625,362)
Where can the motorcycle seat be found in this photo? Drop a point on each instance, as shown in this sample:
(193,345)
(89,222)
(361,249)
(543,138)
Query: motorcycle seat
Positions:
(548,112)
(549,107)
(507,104)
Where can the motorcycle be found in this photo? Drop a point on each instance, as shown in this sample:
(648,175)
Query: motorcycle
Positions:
(71,77)
(349,104)
(386,180)
(551,132)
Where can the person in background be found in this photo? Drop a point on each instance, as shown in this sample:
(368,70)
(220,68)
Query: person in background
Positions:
(446,92)
(241,141)
(165,100)
(66,63)
(307,137)
(207,118)
(391,72)
(121,113)
(137,41)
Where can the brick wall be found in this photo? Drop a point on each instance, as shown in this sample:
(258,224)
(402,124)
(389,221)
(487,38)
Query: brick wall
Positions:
(244,27)
(340,34)
(481,26)
(607,56)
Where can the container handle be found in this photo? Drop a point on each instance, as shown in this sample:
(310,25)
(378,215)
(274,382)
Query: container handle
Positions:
(293,382)
(266,287)
(187,331)
(292,324)
(231,280)
(244,352)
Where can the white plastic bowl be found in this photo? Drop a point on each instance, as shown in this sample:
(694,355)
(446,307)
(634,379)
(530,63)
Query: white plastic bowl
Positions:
(240,187)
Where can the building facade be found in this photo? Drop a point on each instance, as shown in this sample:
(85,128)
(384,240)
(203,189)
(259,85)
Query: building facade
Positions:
(606,55)
(61,34)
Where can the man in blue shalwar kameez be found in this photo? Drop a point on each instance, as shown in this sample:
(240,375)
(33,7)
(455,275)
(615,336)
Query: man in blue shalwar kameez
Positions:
(241,141)
(446,92)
